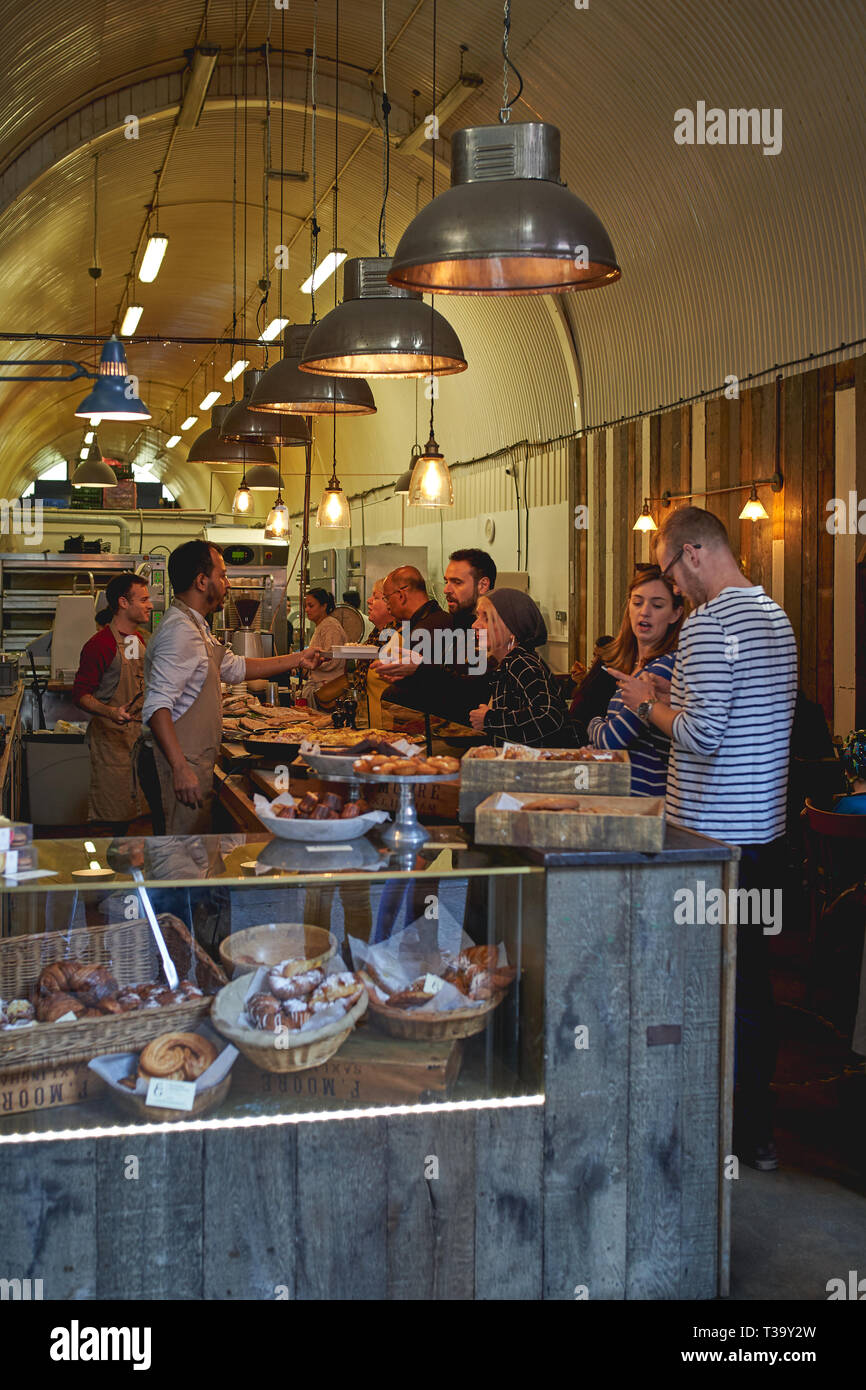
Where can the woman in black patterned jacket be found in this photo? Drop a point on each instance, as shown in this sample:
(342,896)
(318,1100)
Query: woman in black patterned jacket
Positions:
(525,705)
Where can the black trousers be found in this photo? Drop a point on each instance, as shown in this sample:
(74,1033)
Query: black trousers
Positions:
(148,778)
(755,1035)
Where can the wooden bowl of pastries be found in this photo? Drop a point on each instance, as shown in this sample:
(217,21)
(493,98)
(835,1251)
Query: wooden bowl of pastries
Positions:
(400,1017)
(298,943)
(263,1031)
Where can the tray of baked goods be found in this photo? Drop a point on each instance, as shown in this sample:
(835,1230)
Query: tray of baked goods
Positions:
(576,822)
(316,819)
(333,753)
(376,767)
(564,771)
(77,994)
(284,1021)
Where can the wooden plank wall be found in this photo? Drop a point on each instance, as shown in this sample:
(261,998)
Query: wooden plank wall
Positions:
(739,444)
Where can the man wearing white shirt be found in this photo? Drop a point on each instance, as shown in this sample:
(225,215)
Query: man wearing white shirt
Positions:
(184,666)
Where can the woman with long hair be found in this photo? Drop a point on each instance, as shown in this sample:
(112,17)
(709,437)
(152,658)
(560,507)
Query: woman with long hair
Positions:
(645,646)
(329,679)
(525,705)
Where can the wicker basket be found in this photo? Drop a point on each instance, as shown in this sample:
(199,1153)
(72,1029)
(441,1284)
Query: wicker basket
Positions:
(131,1104)
(259,1046)
(306,946)
(430,1027)
(131,952)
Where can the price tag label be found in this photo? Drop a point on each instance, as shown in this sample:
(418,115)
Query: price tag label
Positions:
(332,849)
(171,1095)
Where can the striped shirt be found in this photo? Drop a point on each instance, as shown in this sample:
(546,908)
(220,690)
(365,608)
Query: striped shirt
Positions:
(735,684)
(525,704)
(648,748)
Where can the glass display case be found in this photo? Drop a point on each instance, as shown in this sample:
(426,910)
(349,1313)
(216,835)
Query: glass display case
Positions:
(272,978)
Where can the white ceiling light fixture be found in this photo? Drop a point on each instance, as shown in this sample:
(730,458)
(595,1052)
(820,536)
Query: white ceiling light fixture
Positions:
(96,421)
(172,441)
(324,270)
(209,400)
(131,319)
(235,369)
(274,328)
(204,61)
(84,451)
(88,438)
(152,258)
(188,423)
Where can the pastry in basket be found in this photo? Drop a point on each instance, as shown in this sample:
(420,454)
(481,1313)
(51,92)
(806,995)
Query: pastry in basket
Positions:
(293,986)
(409,998)
(177,1057)
(296,1014)
(346,986)
(483,753)
(553,803)
(18,1013)
(264,1011)
(51,1007)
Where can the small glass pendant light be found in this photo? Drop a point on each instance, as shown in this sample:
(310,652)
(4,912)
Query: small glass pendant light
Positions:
(431,484)
(277,526)
(754,509)
(645,521)
(333,510)
(243,499)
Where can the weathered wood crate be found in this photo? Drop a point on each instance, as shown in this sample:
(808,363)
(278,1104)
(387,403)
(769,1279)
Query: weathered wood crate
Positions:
(582,823)
(481,777)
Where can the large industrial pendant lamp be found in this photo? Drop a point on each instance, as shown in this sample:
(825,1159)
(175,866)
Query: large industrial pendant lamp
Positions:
(114,396)
(246,426)
(380,329)
(93,471)
(285,388)
(507,224)
(227,455)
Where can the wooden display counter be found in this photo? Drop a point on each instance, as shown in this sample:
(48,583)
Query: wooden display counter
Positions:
(607,1184)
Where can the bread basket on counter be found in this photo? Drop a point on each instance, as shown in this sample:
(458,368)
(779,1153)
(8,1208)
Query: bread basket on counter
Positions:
(130,951)
(314,1046)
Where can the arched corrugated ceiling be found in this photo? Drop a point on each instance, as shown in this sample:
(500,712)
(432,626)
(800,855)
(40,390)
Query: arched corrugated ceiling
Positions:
(732,259)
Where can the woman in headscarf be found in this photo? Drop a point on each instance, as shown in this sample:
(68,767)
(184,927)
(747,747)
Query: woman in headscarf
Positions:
(525,705)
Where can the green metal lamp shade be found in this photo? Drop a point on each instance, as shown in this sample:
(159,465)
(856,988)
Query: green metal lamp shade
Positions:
(246,426)
(381,330)
(113,396)
(285,388)
(264,479)
(93,471)
(507,225)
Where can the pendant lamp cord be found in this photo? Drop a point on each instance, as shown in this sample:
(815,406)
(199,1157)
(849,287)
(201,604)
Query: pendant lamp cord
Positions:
(386,147)
(334,482)
(234,199)
(505,110)
(435,136)
(314,224)
(265,281)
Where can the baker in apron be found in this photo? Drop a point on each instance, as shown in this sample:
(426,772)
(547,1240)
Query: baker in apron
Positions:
(109,686)
(184,668)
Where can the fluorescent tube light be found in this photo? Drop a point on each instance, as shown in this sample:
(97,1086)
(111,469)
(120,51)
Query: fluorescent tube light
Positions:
(275,327)
(152,258)
(235,369)
(324,270)
(131,319)
(189,422)
(210,399)
(201,71)
(88,438)
(170,443)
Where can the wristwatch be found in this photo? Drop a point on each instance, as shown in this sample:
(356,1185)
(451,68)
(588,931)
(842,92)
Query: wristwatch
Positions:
(643,710)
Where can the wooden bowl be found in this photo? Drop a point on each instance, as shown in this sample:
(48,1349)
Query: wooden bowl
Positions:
(314,1046)
(134,1105)
(304,945)
(430,1027)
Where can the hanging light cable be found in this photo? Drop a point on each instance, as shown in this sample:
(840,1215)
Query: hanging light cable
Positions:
(430,485)
(507,224)
(380,329)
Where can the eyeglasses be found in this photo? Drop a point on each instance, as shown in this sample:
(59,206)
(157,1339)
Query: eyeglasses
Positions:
(399,590)
(679,555)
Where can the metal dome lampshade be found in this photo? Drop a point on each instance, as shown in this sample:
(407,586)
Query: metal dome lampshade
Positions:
(381,330)
(507,224)
(245,426)
(431,484)
(264,478)
(401,487)
(93,471)
(113,396)
(285,388)
(227,455)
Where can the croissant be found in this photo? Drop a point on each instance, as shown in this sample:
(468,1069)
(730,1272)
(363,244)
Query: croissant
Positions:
(177,1056)
(92,982)
(484,956)
(54,978)
(53,1006)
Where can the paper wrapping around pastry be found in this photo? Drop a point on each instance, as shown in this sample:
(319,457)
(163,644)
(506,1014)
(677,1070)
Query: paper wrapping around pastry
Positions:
(417,951)
(113,1068)
(259,985)
(506,802)
(527,754)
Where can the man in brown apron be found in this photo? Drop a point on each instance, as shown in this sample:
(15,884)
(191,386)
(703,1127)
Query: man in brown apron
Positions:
(109,686)
(184,668)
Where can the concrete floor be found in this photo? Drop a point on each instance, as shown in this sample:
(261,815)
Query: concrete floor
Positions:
(791,1231)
